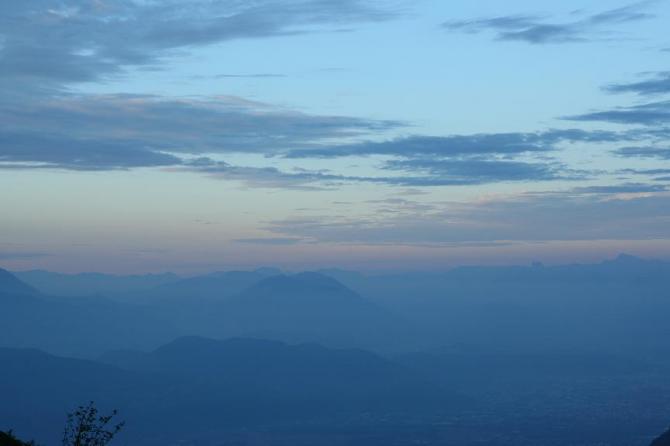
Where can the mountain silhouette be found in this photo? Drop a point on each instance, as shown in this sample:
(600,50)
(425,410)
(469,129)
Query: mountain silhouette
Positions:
(11,285)
(93,284)
(663,440)
(74,326)
(310,307)
(196,385)
(245,357)
(291,375)
(219,285)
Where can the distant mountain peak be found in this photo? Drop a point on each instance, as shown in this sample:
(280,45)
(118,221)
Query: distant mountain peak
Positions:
(9,284)
(268,271)
(307,277)
(627,258)
(306,282)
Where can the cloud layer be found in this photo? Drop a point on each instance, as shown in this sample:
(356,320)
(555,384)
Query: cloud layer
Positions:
(537,30)
(122,131)
(46,48)
(50,44)
(530,217)
(509,144)
(659,83)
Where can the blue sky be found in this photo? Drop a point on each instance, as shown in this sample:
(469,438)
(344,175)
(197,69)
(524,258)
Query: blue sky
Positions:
(201,135)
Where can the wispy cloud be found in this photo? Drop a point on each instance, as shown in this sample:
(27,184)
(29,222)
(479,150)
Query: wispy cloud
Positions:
(659,83)
(264,177)
(651,114)
(473,171)
(19,255)
(123,131)
(46,47)
(49,127)
(626,188)
(512,143)
(593,214)
(536,29)
(276,241)
(54,44)
(645,171)
(108,132)
(420,173)
(643,152)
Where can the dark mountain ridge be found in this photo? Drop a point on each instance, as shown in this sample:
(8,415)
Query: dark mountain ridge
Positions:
(663,440)
(194,386)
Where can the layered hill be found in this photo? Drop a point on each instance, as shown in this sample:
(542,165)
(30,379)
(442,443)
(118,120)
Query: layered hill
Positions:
(306,307)
(195,387)
(74,326)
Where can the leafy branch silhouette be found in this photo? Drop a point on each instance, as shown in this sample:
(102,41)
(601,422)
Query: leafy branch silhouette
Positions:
(86,427)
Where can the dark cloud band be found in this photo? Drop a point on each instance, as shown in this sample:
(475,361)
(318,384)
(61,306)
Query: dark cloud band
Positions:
(539,30)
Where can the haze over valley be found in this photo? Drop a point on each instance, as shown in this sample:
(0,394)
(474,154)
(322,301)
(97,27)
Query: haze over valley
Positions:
(334,223)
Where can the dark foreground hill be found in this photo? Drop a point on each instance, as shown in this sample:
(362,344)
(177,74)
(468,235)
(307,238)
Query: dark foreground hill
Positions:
(663,440)
(195,387)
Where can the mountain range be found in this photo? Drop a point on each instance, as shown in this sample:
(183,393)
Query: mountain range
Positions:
(196,386)
(475,355)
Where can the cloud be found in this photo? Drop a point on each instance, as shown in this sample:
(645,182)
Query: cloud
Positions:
(34,150)
(540,30)
(643,152)
(478,171)
(107,132)
(422,173)
(651,114)
(659,84)
(124,131)
(54,44)
(47,46)
(276,241)
(12,255)
(513,143)
(627,188)
(664,173)
(525,218)
(645,171)
(265,177)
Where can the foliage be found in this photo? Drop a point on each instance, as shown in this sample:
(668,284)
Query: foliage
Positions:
(8,439)
(85,427)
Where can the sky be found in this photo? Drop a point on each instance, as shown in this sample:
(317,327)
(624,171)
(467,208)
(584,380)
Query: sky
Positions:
(200,135)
